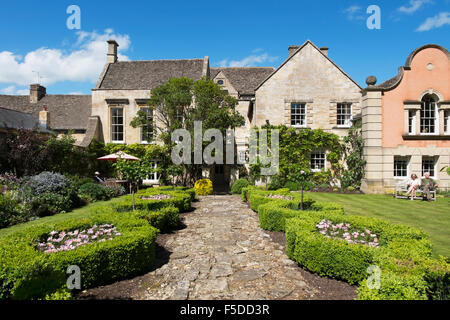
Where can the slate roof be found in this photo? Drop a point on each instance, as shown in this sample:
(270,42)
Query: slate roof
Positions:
(66,111)
(147,75)
(12,119)
(244,79)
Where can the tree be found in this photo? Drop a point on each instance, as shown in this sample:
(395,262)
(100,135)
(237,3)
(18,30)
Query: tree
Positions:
(178,104)
(133,171)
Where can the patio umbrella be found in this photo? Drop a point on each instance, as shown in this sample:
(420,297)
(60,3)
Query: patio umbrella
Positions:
(118,155)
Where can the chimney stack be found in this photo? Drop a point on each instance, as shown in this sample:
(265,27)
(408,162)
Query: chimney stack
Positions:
(44,118)
(292,49)
(324,50)
(112,51)
(37,92)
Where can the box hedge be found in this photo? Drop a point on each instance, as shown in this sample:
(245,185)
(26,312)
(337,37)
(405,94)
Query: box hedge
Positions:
(165,219)
(27,273)
(178,199)
(404,257)
(273,214)
(259,197)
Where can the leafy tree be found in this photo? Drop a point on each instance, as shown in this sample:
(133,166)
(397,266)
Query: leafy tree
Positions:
(178,104)
(133,171)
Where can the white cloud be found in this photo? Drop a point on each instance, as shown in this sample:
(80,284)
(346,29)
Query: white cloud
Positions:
(13,90)
(354,13)
(249,61)
(84,62)
(414,5)
(437,21)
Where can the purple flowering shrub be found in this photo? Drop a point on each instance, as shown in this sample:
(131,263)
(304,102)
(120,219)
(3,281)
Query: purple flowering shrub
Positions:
(62,241)
(157,197)
(47,182)
(344,231)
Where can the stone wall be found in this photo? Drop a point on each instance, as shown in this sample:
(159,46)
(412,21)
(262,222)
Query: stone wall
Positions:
(307,77)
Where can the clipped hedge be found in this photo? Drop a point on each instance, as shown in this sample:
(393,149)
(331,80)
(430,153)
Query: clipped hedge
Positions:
(178,199)
(404,257)
(166,219)
(336,258)
(273,214)
(191,191)
(258,197)
(27,273)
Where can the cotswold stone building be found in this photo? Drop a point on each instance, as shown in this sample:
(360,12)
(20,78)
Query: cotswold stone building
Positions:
(404,120)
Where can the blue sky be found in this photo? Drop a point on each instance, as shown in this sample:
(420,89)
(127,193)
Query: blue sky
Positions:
(34,36)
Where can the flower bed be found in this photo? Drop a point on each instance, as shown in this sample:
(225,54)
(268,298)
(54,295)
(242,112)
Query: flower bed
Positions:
(279,196)
(62,241)
(27,273)
(156,197)
(403,254)
(345,232)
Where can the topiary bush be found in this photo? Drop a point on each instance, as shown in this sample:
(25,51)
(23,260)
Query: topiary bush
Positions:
(27,273)
(93,192)
(203,187)
(237,186)
(166,219)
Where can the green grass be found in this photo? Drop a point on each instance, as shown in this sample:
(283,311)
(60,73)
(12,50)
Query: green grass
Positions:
(80,213)
(432,217)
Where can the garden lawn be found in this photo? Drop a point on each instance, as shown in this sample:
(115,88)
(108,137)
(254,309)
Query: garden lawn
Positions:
(432,217)
(80,212)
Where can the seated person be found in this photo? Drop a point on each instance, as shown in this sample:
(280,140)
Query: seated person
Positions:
(427,185)
(98,179)
(413,185)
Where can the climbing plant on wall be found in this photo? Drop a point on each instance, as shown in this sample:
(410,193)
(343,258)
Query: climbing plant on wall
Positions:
(296,146)
(353,145)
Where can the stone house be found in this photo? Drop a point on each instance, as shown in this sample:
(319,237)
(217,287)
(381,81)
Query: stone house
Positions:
(308,90)
(57,113)
(406,122)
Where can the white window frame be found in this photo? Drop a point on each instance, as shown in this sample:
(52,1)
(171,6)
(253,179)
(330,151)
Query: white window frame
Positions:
(153,177)
(324,163)
(436,120)
(435,166)
(150,110)
(305,115)
(447,121)
(402,158)
(348,125)
(111,125)
(412,116)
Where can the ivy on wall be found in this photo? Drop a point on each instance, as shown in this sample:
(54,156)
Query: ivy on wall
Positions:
(296,146)
(353,146)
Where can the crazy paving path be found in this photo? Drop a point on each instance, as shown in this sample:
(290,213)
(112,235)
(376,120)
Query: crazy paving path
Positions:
(223,254)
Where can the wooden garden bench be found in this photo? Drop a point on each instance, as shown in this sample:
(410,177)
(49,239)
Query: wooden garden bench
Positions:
(401,189)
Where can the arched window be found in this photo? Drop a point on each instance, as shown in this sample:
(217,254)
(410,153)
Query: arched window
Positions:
(429,114)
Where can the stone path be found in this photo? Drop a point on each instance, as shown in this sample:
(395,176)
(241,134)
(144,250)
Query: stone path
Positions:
(223,254)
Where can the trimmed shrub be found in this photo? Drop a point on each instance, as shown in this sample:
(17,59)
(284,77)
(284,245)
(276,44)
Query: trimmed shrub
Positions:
(178,199)
(336,258)
(166,219)
(258,197)
(273,215)
(327,206)
(191,191)
(203,187)
(27,273)
(293,186)
(237,186)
